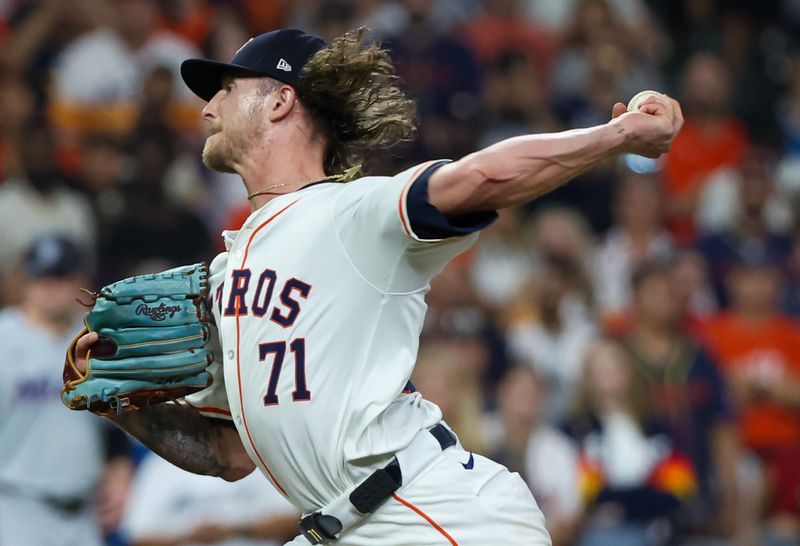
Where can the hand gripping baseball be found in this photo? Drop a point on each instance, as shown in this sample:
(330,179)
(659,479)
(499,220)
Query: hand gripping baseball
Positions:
(651,125)
(144,343)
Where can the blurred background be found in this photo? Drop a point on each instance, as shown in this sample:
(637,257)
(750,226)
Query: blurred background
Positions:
(629,343)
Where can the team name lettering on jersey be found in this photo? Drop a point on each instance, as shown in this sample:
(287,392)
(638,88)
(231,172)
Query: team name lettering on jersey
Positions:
(243,301)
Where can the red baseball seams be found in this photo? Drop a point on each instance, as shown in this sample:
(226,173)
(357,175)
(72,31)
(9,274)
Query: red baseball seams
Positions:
(238,356)
(425,516)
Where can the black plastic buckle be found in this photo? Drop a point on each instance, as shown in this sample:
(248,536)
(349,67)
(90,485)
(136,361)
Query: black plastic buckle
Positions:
(378,487)
(319,528)
(443,436)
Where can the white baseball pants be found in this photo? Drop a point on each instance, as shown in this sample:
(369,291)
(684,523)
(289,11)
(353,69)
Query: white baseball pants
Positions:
(451,505)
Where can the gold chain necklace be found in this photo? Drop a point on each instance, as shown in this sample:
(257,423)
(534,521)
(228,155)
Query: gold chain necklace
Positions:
(333,178)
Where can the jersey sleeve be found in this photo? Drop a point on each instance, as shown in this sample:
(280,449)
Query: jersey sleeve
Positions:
(213,400)
(393,236)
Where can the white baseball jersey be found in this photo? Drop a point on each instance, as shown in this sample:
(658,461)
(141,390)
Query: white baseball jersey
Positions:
(319,303)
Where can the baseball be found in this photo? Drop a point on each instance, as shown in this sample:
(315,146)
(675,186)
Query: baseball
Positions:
(639,98)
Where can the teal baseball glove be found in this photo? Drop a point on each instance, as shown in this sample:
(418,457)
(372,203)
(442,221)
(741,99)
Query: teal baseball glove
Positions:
(153,333)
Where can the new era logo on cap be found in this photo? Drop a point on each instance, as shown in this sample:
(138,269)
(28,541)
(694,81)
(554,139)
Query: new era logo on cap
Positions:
(283,65)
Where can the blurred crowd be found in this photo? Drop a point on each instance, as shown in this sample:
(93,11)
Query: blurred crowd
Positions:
(629,343)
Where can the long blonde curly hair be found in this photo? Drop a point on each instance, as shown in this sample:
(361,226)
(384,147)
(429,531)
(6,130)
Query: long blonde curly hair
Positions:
(351,93)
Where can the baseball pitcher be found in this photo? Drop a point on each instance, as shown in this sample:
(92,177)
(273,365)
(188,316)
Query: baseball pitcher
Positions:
(319,299)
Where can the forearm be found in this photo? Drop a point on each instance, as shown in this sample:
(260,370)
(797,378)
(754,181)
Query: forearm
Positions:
(522,168)
(179,434)
(279,528)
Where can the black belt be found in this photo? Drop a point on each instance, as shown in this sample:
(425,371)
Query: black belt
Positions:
(320,528)
(66,505)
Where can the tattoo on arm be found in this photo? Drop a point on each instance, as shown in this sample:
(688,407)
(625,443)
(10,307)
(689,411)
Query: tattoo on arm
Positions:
(179,434)
(620,128)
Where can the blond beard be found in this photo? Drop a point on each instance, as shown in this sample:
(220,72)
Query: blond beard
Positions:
(215,157)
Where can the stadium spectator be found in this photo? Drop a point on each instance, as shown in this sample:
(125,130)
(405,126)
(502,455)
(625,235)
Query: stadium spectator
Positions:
(227,34)
(516,100)
(637,235)
(710,139)
(564,232)
(445,80)
(457,313)
(553,339)
(695,288)
(63,475)
(99,75)
(789,112)
(152,227)
(190,19)
(751,231)
(333,18)
(634,479)
(453,295)
(759,350)
(502,28)
(40,31)
(38,201)
(448,373)
(558,16)
(100,175)
(501,262)
(790,299)
(521,438)
(16,110)
(597,59)
(687,393)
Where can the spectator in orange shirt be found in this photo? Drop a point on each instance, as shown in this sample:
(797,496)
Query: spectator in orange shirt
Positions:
(503,27)
(759,351)
(710,139)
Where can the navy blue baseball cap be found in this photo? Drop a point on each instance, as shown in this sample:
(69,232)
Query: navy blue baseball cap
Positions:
(279,54)
(54,255)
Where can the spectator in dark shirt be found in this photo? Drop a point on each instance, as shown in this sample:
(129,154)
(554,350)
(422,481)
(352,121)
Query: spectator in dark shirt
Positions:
(635,481)
(687,392)
(152,230)
(750,238)
(444,79)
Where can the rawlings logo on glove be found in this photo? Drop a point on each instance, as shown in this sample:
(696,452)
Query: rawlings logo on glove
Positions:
(158,313)
(152,347)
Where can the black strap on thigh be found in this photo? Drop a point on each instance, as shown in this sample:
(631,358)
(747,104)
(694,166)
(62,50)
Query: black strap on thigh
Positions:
(368,496)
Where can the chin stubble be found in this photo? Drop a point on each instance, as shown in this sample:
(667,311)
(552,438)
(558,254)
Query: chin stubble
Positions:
(214,158)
